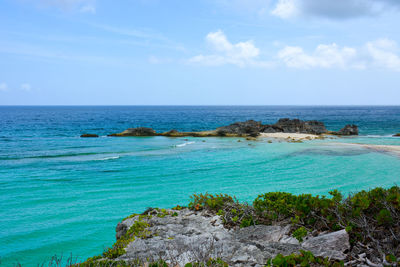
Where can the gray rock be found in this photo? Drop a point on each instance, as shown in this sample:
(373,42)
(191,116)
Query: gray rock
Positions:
(349,129)
(296,126)
(140,131)
(197,236)
(249,127)
(331,245)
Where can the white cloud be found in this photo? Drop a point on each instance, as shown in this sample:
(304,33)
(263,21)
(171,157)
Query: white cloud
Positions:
(285,9)
(3,87)
(324,56)
(332,8)
(384,53)
(379,54)
(26,87)
(224,52)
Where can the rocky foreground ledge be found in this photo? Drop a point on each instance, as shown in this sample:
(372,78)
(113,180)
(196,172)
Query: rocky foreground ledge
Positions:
(188,236)
(249,128)
(278,229)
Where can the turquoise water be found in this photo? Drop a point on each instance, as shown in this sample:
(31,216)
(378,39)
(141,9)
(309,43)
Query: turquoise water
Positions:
(62,194)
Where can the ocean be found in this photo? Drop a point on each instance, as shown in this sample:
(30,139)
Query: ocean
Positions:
(64,195)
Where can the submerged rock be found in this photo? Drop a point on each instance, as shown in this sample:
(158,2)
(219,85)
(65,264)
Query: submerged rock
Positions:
(89,135)
(185,236)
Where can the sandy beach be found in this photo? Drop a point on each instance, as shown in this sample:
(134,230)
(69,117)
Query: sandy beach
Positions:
(291,136)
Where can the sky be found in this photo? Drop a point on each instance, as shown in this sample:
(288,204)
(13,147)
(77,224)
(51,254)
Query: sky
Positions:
(200,52)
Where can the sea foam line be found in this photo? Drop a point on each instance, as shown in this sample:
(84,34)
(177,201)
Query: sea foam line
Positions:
(109,158)
(184,144)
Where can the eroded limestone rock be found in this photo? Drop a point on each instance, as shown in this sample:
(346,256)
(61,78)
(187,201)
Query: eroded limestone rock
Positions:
(196,236)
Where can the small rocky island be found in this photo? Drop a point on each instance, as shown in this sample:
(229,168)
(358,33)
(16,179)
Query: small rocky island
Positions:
(249,128)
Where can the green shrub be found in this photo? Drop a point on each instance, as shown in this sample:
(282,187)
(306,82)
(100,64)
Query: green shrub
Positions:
(210,263)
(300,233)
(211,202)
(305,258)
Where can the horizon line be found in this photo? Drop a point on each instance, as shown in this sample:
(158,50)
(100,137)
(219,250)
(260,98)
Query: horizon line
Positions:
(204,105)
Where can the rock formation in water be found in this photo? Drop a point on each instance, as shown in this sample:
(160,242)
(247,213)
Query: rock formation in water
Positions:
(89,135)
(397,135)
(140,131)
(296,126)
(249,128)
(349,129)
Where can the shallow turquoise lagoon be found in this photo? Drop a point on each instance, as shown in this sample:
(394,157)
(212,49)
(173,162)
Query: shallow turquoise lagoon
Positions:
(60,194)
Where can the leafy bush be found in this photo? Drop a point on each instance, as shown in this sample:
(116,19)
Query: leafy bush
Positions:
(231,211)
(300,233)
(305,258)
(211,202)
(209,263)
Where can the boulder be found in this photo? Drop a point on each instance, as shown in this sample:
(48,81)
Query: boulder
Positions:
(89,135)
(396,135)
(332,245)
(315,127)
(349,129)
(250,127)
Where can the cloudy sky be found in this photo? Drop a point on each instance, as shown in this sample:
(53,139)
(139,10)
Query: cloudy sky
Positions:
(199,52)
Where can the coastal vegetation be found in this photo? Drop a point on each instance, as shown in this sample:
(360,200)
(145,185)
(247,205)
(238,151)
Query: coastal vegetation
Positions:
(370,218)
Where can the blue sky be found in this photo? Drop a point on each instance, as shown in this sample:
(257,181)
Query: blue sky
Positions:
(199,52)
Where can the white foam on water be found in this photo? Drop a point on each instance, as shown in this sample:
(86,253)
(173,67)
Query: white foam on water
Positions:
(109,158)
(185,144)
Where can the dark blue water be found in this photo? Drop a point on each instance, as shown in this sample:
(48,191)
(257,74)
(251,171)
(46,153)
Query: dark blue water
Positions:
(69,121)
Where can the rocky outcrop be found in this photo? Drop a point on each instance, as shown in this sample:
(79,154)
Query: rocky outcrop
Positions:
(186,236)
(89,135)
(349,129)
(296,126)
(248,128)
(396,135)
(140,131)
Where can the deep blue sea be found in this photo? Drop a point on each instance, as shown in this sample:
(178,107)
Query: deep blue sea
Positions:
(62,194)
